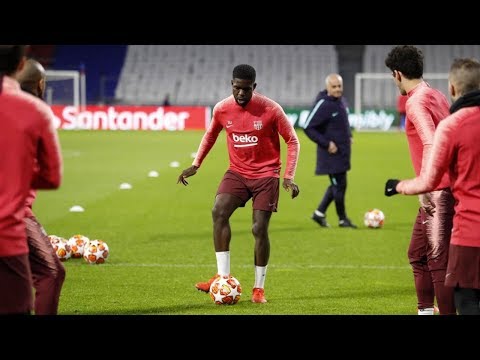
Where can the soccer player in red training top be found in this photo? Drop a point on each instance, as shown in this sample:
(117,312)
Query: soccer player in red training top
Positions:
(429,244)
(47,270)
(30,159)
(456,150)
(252,123)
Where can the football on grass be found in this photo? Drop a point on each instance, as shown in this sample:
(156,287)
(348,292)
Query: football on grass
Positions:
(374,218)
(62,249)
(77,244)
(225,290)
(96,251)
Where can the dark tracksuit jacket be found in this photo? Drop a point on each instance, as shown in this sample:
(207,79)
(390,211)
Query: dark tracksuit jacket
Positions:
(328,121)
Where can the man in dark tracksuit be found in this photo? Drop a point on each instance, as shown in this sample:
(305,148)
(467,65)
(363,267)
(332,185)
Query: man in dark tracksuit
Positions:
(327,125)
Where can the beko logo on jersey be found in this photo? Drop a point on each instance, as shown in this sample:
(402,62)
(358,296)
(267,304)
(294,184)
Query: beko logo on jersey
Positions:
(245,140)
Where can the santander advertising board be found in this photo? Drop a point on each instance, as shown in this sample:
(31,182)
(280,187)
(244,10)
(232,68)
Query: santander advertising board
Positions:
(127,118)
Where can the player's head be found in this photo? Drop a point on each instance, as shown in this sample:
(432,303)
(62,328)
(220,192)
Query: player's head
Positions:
(243,83)
(334,85)
(405,62)
(32,78)
(12,58)
(464,77)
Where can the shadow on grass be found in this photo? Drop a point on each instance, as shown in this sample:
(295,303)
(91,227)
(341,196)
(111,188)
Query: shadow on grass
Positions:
(310,304)
(371,293)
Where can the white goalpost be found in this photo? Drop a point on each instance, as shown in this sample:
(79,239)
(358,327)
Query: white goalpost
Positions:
(65,87)
(377,91)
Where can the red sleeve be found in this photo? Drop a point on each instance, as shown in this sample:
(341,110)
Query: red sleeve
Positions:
(437,164)
(209,139)
(425,127)
(49,160)
(287,132)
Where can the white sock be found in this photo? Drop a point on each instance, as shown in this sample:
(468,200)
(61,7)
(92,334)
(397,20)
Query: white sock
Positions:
(260,272)
(426,311)
(223,262)
(318,213)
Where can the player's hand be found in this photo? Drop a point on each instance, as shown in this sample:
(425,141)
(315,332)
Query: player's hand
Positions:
(391,187)
(427,203)
(288,185)
(192,170)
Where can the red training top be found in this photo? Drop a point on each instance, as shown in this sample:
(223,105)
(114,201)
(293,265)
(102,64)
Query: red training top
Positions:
(252,137)
(426,106)
(456,149)
(29,159)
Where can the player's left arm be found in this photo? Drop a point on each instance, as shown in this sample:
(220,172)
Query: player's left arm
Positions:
(288,185)
(289,135)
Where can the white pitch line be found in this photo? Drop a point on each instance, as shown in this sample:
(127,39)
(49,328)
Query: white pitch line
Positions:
(280,266)
(71,154)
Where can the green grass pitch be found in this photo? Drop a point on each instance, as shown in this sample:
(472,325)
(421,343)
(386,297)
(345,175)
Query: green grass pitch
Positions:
(160,232)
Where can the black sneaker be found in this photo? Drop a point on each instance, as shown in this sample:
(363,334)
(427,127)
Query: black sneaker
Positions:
(346,223)
(320,220)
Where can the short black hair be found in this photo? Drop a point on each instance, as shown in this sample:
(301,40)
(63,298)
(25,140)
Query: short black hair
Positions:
(407,59)
(244,72)
(10,57)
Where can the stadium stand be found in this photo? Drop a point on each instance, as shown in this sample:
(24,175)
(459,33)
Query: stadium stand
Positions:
(438,59)
(102,67)
(44,54)
(200,74)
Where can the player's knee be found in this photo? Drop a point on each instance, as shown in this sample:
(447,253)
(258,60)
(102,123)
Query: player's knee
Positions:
(219,213)
(59,274)
(417,263)
(259,231)
(438,275)
(415,257)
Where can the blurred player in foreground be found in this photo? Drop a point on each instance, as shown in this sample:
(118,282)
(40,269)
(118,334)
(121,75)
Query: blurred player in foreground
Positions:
(252,123)
(30,159)
(47,270)
(456,150)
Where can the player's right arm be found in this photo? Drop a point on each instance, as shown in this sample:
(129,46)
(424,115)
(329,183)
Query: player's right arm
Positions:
(192,170)
(441,157)
(425,128)
(317,117)
(208,140)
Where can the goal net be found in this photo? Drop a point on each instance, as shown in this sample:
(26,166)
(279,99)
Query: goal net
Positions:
(377,91)
(63,87)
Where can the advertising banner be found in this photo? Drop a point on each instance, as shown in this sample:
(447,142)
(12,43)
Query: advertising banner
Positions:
(373,120)
(180,118)
(124,118)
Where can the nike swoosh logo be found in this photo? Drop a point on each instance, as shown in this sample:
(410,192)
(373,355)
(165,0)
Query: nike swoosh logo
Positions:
(424,222)
(389,189)
(334,114)
(271,204)
(228,126)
